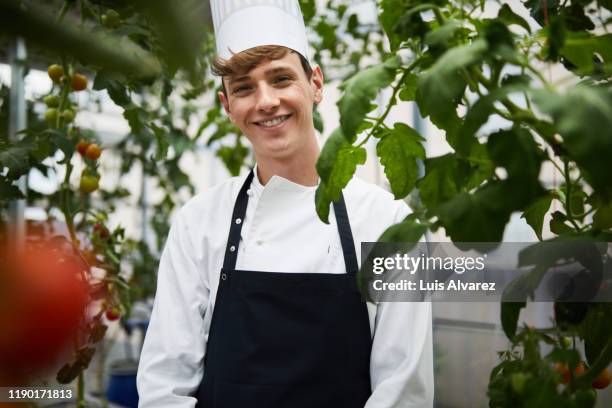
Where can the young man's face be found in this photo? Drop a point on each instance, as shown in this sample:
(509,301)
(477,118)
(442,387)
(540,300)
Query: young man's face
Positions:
(272,104)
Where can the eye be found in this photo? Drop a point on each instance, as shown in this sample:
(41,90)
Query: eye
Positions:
(241,89)
(282,79)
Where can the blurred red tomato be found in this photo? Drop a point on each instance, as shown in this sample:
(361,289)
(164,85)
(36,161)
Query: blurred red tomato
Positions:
(43,301)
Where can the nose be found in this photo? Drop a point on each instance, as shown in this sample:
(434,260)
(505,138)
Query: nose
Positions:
(267,100)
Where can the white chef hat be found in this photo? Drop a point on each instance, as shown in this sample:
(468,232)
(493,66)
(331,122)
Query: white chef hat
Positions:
(243,24)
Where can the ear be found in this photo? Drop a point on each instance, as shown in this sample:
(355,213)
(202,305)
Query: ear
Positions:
(317,82)
(225,103)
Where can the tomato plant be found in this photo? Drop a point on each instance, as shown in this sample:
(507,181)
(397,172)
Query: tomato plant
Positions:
(80,38)
(462,69)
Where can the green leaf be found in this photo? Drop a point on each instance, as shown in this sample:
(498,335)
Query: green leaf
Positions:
(97,332)
(582,48)
(440,89)
(359,91)
(161,137)
(398,150)
(476,169)
(536,8)
(116,90)
(14,157)
(518,153)
(479,114)
(509,17)
(569,314)
(322,202)
(583,117)
(499,38)
(477,217)
(136,117)
(411,25)
(510,312)
(43,147)
(233,157)
(408,88)
(334,143)
(327,32)
(309,9)
(61,141)
(515,295)
(442,34)
(576,19)
(180,27)
(439,184)
(405,231)
(336,165)
(534,215)
(602,219)
(556,32)
(389,18)
(9,191)
(557,224)
(108,52)
(596,330)
(71,371)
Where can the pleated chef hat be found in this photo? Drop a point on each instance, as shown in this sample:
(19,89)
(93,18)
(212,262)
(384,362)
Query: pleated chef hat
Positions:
(243,24)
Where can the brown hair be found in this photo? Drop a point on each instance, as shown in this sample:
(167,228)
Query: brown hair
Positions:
(243,62)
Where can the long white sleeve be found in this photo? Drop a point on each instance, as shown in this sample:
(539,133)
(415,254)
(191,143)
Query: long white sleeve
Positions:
(402,356)
(401,363)
(171,361)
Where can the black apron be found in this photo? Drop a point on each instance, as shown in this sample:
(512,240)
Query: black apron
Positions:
(287,339)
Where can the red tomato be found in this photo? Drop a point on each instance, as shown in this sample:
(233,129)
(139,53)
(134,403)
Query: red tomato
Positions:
(101,230)
(602,380)
(113,314)
(93,151)
(43,301)
(82,147)
(79,82)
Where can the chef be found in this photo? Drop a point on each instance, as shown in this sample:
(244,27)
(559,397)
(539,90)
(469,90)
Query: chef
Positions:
(256,303)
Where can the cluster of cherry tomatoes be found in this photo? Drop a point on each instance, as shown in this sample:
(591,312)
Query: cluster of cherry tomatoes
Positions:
(600,382)
(89,180)
(78,82)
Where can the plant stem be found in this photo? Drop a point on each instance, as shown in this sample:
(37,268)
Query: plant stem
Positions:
(568,194)
(63,11)
(80,391)
(396,88)
(539,75)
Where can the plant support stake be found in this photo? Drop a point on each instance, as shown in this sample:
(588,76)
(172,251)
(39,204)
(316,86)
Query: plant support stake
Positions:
(17,121)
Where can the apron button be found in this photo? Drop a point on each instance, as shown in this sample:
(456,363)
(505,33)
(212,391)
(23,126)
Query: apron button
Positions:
(238,220)
(223,276)
(232,248)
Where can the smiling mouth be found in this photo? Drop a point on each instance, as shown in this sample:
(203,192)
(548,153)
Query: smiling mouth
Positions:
(273,122)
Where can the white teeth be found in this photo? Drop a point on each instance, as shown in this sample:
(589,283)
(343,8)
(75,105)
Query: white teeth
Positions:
(274,122)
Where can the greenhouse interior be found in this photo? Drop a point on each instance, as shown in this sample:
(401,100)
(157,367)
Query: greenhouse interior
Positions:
(443,168)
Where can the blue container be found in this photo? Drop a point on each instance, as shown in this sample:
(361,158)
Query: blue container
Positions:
(122,383)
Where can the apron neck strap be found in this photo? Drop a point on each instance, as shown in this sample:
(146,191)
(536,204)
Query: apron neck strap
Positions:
(342,222)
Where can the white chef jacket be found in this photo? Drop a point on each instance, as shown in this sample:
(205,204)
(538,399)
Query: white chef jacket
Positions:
(281,233)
